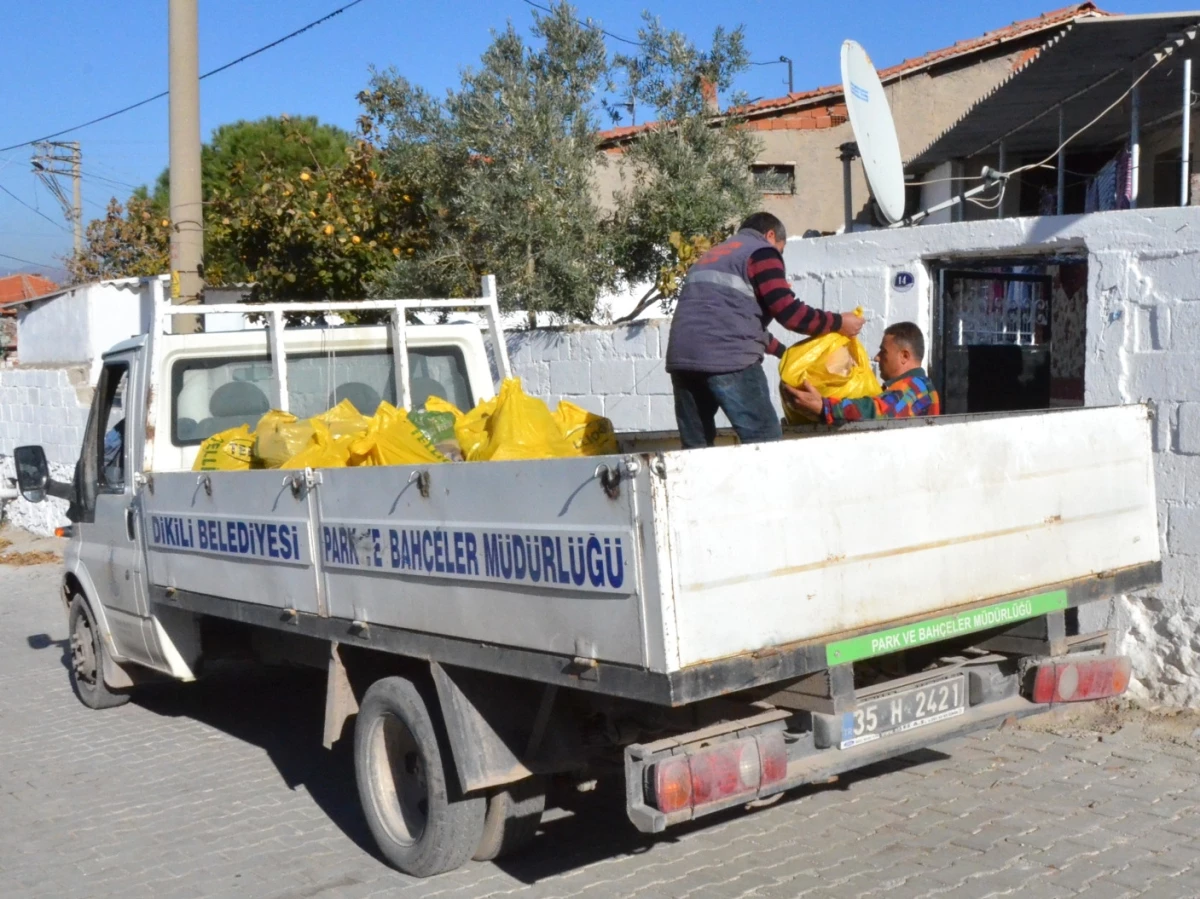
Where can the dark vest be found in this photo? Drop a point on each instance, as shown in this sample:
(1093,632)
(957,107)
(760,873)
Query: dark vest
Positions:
(718,325)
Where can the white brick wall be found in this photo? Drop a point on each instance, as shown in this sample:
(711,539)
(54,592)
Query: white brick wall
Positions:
(613,370)
(44,406)
(48,407)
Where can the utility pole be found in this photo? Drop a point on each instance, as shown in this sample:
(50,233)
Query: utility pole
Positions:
(187,209)
(49,165)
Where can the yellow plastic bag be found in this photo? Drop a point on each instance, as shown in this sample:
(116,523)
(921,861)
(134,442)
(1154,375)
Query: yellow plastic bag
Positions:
(470,428)
(519,427)
(392,439)
(278,437)
(588,433)
(230,450)
(836,365)
(344,420)
(324,449)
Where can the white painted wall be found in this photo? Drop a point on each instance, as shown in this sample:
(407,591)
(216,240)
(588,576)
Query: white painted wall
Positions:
(78,325)
(613,371)
(47,407)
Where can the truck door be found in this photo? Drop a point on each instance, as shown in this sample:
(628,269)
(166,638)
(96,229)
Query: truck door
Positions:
(111,548)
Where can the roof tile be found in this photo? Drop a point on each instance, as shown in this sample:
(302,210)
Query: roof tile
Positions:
(15,288)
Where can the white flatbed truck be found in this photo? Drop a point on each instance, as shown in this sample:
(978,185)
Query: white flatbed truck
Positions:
(720,625)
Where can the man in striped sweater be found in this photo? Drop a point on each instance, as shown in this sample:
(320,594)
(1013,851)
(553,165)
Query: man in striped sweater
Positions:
(719,334)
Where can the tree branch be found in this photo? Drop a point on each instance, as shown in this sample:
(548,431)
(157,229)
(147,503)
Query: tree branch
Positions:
(651,297)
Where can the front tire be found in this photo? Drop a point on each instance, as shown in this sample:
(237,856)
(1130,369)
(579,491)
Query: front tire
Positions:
(421,822)
(87,659)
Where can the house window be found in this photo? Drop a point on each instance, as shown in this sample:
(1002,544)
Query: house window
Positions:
(774,179)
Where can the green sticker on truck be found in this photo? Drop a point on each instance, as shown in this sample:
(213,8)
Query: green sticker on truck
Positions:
(880,643)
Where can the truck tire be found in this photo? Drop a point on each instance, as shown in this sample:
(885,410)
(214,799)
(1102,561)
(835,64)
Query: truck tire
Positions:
(514,813)
(87,659)
(421,822)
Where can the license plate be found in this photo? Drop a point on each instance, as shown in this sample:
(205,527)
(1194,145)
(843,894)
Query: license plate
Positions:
(906,710)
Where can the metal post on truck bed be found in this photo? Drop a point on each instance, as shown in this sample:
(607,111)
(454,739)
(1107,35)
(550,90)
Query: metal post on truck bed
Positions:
(495,332)
(158,304)
(400,352)
(275,326)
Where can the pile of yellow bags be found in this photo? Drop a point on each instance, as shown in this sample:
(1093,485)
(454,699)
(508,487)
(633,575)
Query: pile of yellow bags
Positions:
(834,364)
(511,425)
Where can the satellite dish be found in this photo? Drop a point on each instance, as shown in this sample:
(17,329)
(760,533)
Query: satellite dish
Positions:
(874,130)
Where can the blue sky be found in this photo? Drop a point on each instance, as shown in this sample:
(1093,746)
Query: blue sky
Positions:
(91,58)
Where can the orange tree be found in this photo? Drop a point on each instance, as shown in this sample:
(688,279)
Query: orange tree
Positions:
(323,233)
(131,240)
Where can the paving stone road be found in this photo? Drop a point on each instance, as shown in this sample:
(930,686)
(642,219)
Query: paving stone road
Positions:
(222,789)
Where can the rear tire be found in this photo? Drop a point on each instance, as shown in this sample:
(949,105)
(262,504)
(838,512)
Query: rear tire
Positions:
(87,659)
(421,822)
(514,813)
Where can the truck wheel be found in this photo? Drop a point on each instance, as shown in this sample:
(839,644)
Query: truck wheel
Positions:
(513,815)
(87,659)
(420,820)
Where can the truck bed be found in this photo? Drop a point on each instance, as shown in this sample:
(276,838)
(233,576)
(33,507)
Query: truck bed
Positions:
(675,575)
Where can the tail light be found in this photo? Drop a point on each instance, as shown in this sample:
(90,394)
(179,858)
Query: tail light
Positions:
(726,771)
(1082,680)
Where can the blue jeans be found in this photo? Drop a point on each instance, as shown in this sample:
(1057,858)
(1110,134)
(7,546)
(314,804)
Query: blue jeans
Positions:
(743,396)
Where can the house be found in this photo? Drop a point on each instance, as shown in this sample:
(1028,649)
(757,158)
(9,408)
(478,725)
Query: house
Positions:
(799,168)
(1096,120)
(13,290)
(75,325)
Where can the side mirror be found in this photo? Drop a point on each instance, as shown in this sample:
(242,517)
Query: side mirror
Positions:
(33,472)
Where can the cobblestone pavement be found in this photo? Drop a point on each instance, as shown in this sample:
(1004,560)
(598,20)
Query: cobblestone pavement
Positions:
(223,790)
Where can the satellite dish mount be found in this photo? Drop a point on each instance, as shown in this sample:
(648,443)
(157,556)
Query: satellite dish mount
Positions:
(847,153)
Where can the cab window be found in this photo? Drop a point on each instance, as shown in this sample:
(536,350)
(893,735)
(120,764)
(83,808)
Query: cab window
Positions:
(213,395)
(111,464)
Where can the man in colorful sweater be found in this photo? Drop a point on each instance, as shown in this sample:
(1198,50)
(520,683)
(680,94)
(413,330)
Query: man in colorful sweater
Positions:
(907,390)
(719,334)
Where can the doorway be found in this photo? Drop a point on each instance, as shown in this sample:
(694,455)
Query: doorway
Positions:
(1009,334)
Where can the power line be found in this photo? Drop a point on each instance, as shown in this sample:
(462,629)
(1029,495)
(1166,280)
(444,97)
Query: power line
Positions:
(615,37)
(35,209)
(110,182)
(159,96)
(26,261)
(625,40)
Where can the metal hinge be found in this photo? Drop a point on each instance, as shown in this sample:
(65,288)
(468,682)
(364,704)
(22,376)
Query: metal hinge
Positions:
(302,481)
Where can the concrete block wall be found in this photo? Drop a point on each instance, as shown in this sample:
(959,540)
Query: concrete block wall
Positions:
(46,406)
(1149,321)
(613,370)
